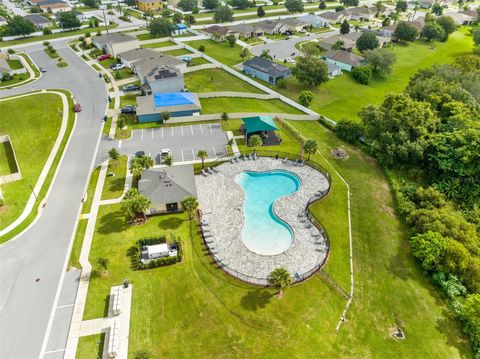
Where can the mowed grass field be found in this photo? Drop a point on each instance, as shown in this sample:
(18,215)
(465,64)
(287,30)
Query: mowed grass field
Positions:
(220,51)
(343,97)
(205,313)
(33,134)
(213,80)
(7,159)
(238,104)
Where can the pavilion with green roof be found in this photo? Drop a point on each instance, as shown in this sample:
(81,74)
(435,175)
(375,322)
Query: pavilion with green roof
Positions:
(263,126)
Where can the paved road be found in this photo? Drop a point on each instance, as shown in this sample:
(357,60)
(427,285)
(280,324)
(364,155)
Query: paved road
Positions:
(32,265)
(286,48)
(183,141)
(14,8)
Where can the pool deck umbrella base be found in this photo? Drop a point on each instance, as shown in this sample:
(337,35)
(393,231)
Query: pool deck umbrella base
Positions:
(264,126)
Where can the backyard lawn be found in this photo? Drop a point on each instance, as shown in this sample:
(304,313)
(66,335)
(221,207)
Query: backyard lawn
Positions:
(33,134)
(237,104)
(197,61)
(90,346)
(343,97)
(220,51)
(177,52)
(215,316)
(115,184)
(213,80)
(7,162)
(156,45)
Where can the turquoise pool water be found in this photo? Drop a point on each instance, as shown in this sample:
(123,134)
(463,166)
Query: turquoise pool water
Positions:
(263,232)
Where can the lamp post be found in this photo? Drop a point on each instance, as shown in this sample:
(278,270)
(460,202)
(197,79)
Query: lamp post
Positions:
(104,17)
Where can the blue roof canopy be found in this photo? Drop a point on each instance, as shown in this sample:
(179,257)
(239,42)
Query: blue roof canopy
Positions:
(181,26)
(259,123)
(173,99)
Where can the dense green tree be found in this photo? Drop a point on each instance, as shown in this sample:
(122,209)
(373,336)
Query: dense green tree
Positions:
(189,19)
(344,27)
(428,248)
(294,5)
(447,23)
(350,130)
(399,130)
(476,35)
(159,27)
(18,25)
(349,3)
(433,31)
(456,257)
(339,8)
(310,71)
(380,60)
(386,22)
(231,39)
(211,4)
(468,63)
(306,97)
(223,14)
(266,54)
(437,9)
(113,154)
(322,5)
(260,11)
(401,6)
(471,318)
(338,45)
(367,41)
(187,5)
(471,277)
(405,32)
(363,74)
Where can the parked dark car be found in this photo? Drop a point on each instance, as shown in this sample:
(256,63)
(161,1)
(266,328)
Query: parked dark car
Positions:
(129,109)
(130,88)
(43,69)
(140,154)
(104,57)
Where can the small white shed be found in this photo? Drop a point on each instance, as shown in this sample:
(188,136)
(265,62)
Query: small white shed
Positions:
(158,251)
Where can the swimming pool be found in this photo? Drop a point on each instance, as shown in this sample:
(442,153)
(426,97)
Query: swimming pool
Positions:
(263,232)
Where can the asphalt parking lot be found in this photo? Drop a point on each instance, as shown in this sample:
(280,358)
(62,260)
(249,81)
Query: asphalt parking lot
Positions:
(183,141)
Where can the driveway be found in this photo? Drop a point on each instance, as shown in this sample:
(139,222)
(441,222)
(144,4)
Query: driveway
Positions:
(183,141)
(32,265)
(282,49)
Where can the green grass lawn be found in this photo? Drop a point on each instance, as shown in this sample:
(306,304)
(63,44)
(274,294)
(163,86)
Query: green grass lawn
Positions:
(15,64)
(124,73)
(214,315)
(212,80)
(133,13)
(220,51)
(128,100)
(177,52)
(108,62)
(343,97)
(114,185)
(87,205)
(237,104)
(15,79)
(90,346)
(156,45)
(77,244)
(51,52)
(7,162)
(197,61)
(33,134)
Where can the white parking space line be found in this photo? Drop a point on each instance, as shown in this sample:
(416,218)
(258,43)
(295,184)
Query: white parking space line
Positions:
(162,132)
(181,128)
(120,144)
(193,154)
(152,133)
(214,152)
(191,128)
(201,128)
(211,131)
(142,134)
(183,158)
(172,130)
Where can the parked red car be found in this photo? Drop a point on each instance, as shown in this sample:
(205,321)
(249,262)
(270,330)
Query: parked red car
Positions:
(104,57)
(77,108)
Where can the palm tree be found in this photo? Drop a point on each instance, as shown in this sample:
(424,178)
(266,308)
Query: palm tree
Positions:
(103,262)
(266,55)
(134,203)
(165,117)
(190,204)
(202,154)
(254,142)
(310,147)
(280,279)
(146,162)
(113,153)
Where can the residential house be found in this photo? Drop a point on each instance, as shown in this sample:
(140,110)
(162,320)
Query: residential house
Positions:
(462,18)
(343,59)
(179,29)
(363,13)
(79,15)
(328,42)
(39,21)
(149,5)
(245,30)
(176,104)
(167,187)
(353,36)
(312,20)
(216,32)
(157,78)
(387,31)
(266,70)
(6,61)
(333,70)
(333,17)
(115,43)
(128,58)
(292,24)
(54,6)
(271,27)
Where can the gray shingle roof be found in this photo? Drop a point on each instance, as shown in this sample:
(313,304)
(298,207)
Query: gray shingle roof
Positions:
(168,185)
(266,66)
(38,19)
(344,57)
(114,38)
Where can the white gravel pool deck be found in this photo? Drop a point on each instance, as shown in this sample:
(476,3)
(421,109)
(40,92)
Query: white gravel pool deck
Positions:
(221,200)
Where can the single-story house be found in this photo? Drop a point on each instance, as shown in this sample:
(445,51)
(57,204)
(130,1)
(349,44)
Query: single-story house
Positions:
(115,43)
(343,59)
(149,5)
(382,40)
(333,70)
(266,70)
(157,251)
(54,6)
(38,20)
(461,18)
(178,29)
(387,31)
(363,13)
(313,21)
(79,15)
(177,104)
(292,24)
(6,62)
(166,188)
(270,27)
(245,30)
(333,17)
(129,58)
(328,42)
(217,32)
(160,79)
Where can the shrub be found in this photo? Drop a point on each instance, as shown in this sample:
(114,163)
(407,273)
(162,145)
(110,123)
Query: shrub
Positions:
(201,48)
(282,83)
(362,74)
(11,51)
(349,130)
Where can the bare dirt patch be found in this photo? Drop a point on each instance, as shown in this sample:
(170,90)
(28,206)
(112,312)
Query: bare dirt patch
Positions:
(339,153)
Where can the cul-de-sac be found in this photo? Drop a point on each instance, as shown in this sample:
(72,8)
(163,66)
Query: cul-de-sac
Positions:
(239,179)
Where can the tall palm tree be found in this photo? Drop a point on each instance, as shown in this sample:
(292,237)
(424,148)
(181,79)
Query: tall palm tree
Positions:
(280,279)
(266,55)
(202,154)
(254,142)
(190,204)
(310,147)
(134,203)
